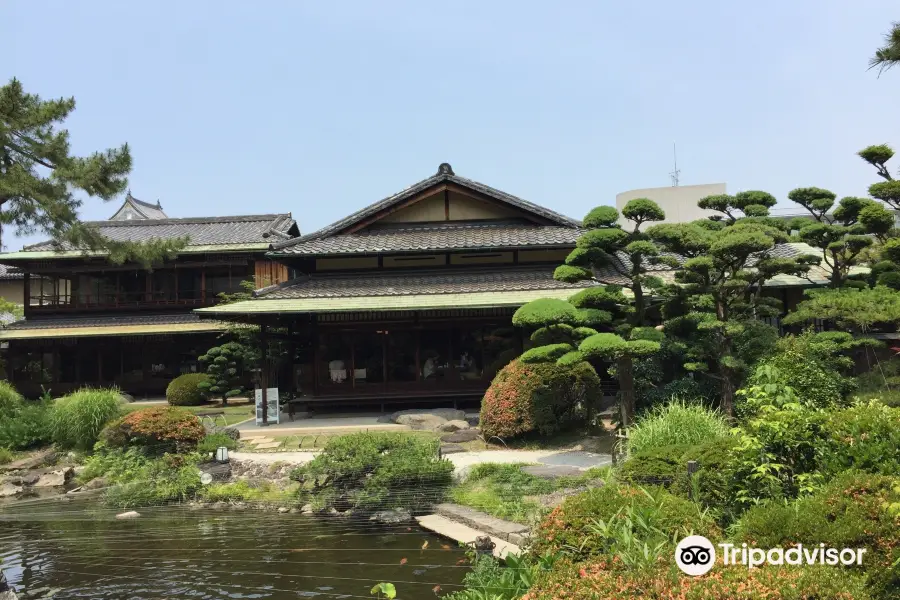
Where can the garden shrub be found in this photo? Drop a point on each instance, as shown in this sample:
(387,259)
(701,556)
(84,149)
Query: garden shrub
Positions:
(887,397)
(376,471)
(491,580)
(703,391)
(713,484)
(10,399)
(617,521)
(6,456)
(25,426)
(865,437)
(156,430)
(77,419)
(677,422)
(814,379)
(656,466)
(135,480)
(849,512)
(537,398)
(210,443)
(609,581)
(184,390)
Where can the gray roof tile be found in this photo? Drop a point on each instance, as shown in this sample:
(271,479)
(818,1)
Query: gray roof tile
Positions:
(445,174)
(433,282)
(437,236)
(112,321)
(201,231)
(7,272)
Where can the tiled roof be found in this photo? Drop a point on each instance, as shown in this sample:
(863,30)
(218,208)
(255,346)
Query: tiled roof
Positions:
(7,273)
(434,282)
(445,174)
(112,321)
(437,236)
(201,231)
(144,210)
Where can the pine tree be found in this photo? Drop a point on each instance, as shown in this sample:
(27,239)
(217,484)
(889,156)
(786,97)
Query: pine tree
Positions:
(40,178)
(222,363)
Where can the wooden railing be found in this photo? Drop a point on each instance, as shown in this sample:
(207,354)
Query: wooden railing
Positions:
(119,300)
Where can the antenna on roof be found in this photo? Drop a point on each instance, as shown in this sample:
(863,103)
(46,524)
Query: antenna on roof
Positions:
(674,174)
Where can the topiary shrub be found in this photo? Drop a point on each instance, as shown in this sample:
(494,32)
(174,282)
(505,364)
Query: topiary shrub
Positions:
(537,398)
(156,430)
(848,512)
(77,419)
(574,527)
(376,471)
(610,581)
(656,466)
(677,422)
(185,390)
(713,484)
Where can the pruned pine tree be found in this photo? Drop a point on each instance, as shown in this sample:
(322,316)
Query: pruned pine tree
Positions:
(222,365)
(717,298)
(40,179)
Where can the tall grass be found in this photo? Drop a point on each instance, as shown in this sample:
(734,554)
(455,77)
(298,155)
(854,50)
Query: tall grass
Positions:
(77,419)
(677,422)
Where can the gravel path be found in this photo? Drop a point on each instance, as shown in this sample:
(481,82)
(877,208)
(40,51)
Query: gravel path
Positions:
(462,460)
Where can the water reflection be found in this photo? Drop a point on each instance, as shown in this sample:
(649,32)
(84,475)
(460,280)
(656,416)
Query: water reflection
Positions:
(71,551)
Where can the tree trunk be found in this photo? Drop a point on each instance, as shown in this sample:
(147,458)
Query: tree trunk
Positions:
(625,374)
(640,309)
(727,393)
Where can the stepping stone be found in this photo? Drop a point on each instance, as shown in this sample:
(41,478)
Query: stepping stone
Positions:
(268,445)
(451,449)
(552,472)
(262,440)
(458,437)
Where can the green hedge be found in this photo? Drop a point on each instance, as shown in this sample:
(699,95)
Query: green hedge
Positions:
(184,390)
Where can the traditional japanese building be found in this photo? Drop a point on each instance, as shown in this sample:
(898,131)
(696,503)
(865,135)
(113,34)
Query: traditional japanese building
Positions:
(90,322)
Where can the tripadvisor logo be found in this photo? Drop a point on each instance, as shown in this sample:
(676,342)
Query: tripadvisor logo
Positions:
(695,555)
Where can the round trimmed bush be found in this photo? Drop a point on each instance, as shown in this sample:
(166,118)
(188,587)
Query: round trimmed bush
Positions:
(538,398)
(77,419)
(156,430)
(184,390)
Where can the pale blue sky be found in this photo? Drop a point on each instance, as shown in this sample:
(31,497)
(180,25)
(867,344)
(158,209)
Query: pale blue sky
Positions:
(320,108)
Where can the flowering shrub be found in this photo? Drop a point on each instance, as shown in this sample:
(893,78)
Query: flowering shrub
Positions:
(157,430)
(185,390)
(596,523)
(541,398)
(607,579)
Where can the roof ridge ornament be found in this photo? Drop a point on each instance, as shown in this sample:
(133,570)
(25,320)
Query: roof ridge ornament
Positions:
(445,169)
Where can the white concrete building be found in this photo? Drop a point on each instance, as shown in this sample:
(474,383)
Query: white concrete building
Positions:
(678,202)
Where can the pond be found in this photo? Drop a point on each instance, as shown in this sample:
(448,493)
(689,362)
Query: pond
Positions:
(66,550)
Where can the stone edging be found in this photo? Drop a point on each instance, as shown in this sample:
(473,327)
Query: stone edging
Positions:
(514,533)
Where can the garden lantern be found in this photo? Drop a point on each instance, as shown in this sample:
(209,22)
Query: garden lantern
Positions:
(222,454)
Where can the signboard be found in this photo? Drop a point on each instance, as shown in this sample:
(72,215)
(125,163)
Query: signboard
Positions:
(273,405)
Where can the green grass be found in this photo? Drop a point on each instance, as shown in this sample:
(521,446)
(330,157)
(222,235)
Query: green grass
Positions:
(676,423)
(237,411)
(242,491)
(502,490)
(6,456)
(314,441)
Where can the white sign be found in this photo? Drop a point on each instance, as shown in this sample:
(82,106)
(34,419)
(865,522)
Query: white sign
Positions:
(272,403)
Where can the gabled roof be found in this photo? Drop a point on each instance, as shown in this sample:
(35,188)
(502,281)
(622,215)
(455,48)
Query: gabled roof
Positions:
(133,208)
(412,237)
(7,273)
(207,234)
(350,241)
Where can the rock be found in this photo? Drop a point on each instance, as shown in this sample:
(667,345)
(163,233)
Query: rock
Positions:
(427,419)
(95,484)
(451,426)
(392,517)
(30,478)
(8,490)
(56,478)
(461,436)
(385,419)
(219,506)
(474,421)
(131,514)
(30,462)
(283,509)
(451,449)
(306,509)
(597,445)
(126,397)
(293,510)
(552,471)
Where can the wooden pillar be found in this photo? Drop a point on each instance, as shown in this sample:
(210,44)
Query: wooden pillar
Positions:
(264,374)
(316,352)
(292,352)
(175,274)
(118,288)
(27,293)
(203,286)
(418,355)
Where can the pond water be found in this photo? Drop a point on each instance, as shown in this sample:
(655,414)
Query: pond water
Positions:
(65,550)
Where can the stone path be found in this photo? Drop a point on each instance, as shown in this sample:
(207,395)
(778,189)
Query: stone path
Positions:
(462,461)
(464,534)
